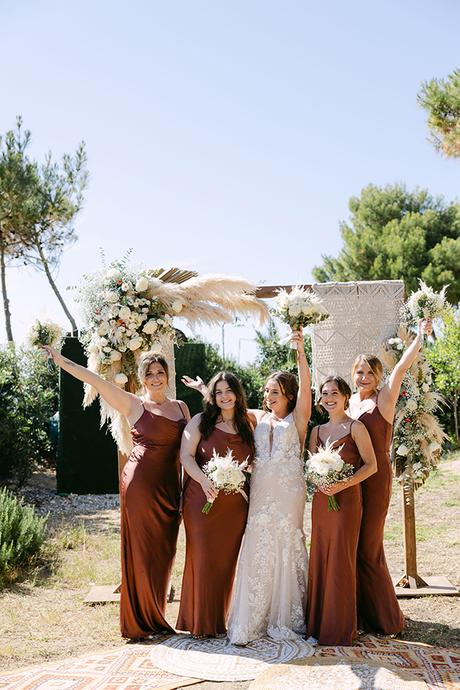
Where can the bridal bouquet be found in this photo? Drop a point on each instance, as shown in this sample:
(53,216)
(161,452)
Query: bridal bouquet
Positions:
(326,467)
(299,308)
(226,474)
(46,333)
(425,303)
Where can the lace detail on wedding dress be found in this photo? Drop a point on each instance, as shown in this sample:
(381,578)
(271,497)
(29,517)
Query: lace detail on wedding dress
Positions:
(270,589)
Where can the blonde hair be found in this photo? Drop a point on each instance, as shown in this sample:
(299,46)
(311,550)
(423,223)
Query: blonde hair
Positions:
(146,360)
(374,364)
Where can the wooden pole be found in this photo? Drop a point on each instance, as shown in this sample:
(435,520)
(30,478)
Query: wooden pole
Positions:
(411,578)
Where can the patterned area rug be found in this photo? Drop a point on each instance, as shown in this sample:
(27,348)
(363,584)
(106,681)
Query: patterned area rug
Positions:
(128,668)
(217,659)
(439,668)
(332,674)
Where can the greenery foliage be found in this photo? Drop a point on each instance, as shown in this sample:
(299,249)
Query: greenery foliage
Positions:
(38,206)
(444,357)
(441,100)
(22,534)
(29,393)
(396,234)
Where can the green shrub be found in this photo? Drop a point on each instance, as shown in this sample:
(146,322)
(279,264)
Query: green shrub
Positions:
(29,398)
(22,534)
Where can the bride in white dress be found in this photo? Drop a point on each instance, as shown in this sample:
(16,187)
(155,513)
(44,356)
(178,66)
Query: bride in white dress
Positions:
(271,584)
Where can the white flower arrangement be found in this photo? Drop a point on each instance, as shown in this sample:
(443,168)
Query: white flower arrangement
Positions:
(326,467)
(46,333)
(417,436)
(123,317)
(299,308)
(425,303)
(128,312)
(226,474)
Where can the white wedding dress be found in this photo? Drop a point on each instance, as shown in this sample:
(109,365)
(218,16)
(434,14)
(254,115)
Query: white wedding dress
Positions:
(271,583)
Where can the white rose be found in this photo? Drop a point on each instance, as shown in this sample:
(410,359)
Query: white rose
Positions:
(177,306)
(150,327)
(93,348)
(124,313)
(103,342)
(142,284)
(121,379)
(400,346)
(103,328)
(111,296)
(402,450)
(135,344)
(115,356)
(425,388)
(411,405)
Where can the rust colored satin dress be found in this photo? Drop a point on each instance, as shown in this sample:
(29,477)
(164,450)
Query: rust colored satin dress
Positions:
(378,608)
(149,502)
(212,543)
(331,599)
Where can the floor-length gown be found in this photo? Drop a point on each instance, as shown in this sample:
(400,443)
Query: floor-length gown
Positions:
(332,607)
(378,608)
(149,502)
(270,589)
(213,542)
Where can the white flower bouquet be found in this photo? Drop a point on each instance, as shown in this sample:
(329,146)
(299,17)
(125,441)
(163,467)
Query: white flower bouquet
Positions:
(425,303)
(226,474)
(46,333)
(299,308)
(326,467)
(123,318)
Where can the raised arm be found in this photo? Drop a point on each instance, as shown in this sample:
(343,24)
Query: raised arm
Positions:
(366,450)
(302,410)
(126,403)
(190,440)
(388,396)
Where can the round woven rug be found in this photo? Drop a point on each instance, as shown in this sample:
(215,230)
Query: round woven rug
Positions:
(336,674)
(217,659)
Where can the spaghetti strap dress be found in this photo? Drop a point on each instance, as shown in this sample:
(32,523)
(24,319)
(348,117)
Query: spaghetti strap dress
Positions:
(331,599)
(378,608)
(212,543)
(149,502)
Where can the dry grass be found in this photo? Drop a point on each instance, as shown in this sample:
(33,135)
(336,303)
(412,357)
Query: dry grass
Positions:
(44,617)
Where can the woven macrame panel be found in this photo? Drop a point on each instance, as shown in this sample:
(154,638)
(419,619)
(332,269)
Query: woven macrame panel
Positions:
(362,316)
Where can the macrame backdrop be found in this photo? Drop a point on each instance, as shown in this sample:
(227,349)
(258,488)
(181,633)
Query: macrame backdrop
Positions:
(362,315)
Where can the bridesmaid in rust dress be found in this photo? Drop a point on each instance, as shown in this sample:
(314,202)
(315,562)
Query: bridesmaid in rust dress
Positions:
(213,540)
(331,599)
(149,491)
(376,409)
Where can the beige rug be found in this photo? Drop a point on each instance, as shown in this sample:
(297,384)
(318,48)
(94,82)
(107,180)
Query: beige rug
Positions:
(124,668)
(336,674)
(217,659)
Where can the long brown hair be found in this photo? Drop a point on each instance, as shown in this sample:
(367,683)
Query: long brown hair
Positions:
(288,385)
(146,360)
(211,411)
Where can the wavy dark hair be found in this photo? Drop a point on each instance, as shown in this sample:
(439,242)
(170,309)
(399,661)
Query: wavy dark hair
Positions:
(342,386)
(288,385)
(211,412)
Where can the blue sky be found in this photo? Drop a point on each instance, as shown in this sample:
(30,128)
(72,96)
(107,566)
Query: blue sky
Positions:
(223,136)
